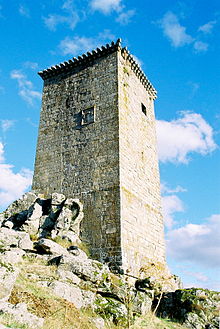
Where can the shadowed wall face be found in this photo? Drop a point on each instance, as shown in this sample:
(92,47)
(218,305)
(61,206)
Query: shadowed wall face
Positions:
(97,142)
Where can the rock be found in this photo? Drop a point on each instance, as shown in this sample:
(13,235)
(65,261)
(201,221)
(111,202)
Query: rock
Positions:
(46,226)
(8,276)
(70,236)
(8,224)
(46,246)
(43,218)
(2,218)
(77,209)
(143,284)
(68,217)
(68,276)
(76,251)
(21,315)
(86,269)
(193,307)
(16,239)
(159,277)
(110,309)
(88,298)
(13,256)
(64,219)
(57,199)
(35,212)
(98,322)
(141,303)
(67,291)
(21,204)
(192,320)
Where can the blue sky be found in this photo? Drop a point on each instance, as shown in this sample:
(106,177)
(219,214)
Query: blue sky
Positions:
(177,46)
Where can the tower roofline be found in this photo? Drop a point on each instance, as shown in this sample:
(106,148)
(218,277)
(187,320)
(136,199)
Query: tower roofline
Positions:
(89,57)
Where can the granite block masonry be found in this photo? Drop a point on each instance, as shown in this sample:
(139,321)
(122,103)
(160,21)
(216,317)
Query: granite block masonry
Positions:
(97,143)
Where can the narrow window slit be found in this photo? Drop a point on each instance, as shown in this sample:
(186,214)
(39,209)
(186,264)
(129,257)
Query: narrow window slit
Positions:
(143,107)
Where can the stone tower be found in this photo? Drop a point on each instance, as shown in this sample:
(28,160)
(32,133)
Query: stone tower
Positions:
(97,142)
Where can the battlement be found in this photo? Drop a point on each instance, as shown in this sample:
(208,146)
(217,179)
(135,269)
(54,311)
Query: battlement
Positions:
(88,59)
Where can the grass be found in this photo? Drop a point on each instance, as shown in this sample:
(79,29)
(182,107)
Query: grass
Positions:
(8,321)
(57,312)
(66,244)
(152,322)
(62,242)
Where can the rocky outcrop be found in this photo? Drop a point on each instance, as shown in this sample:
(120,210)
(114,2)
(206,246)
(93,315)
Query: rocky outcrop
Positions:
(41,217)
(40,251)
(195,308)
(30,230)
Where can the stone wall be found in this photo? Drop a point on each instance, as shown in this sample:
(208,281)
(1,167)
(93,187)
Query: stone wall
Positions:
(141,219)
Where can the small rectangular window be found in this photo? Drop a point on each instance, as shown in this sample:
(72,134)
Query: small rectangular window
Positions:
(144,110)
(88,116)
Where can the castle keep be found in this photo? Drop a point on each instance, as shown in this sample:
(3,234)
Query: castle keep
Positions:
(97,142)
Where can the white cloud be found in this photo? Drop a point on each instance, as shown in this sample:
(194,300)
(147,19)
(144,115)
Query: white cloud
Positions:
(26,88)
(6,124)
(76,45)
(175,32)
(53,20)
(198,243)
(181,137)
(70,17)
(138,60)
(24,11)
(165,189)
(178,36)
(1,152)
(106,6)
(200,46)
(199,276)
(194,87)
(12,185)
(31,65)
(208,27)
(170,205)
(125,17)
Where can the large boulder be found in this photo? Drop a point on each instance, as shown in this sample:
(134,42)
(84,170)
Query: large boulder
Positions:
(20,205)
(20,314)
(8,276)
(69,218)
(65,290)
(32,223)
(46,246)
(86,269)
(12,256)
(15,239)
(111,309)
